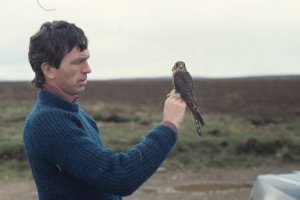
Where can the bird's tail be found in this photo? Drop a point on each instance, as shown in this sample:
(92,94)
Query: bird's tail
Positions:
(198,127)
(199,122)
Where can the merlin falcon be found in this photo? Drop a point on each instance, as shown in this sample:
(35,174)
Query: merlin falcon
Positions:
(185,87)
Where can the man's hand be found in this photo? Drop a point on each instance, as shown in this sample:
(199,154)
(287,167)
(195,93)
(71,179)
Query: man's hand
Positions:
(174,110)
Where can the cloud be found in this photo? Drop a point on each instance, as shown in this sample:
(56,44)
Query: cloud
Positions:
(16,72)
(144,38)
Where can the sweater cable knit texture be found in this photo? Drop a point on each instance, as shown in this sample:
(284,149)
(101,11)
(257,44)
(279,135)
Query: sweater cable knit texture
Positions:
(69,161)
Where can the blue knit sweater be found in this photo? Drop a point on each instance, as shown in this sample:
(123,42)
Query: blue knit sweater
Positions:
(69,162)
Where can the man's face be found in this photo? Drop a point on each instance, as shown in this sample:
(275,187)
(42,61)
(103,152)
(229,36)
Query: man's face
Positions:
(71,76)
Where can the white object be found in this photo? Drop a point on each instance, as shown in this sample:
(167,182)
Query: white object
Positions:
(277,187)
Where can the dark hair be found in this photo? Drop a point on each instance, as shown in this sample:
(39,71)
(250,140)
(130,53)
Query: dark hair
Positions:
(51,43)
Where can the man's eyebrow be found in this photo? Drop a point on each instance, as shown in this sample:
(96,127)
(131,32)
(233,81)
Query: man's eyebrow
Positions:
(81,58)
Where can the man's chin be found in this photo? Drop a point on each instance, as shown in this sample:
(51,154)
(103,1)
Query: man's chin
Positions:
(79,90)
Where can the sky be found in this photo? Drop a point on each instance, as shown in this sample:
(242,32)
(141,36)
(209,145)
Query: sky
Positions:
(143,39)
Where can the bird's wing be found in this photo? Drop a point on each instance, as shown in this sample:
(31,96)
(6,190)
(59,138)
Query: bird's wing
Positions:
(184,85)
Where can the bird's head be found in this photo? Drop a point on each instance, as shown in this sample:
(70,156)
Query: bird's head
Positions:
(179,66)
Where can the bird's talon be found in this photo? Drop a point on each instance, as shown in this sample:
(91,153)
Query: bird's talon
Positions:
(171,94)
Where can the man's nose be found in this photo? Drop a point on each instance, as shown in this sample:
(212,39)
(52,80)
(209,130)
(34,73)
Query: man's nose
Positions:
(86,68)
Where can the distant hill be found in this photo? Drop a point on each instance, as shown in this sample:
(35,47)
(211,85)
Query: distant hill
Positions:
(276,96)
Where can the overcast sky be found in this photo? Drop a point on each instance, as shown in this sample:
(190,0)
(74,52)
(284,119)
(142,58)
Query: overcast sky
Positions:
(139,38)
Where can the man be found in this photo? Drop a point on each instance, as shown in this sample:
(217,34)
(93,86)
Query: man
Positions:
(62,143)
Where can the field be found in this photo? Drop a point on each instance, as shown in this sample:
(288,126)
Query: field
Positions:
(252,127)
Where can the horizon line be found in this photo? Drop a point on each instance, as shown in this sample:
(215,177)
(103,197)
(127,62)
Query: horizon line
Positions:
(169,77)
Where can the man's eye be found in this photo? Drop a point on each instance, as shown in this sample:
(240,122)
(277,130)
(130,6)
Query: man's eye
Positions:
(78,62)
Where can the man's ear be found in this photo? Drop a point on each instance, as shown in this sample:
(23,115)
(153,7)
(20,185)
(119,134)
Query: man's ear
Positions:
(48,70)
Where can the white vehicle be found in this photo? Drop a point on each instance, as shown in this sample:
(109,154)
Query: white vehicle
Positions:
(277,187)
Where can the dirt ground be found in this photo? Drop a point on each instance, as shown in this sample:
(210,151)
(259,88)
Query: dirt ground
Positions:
(205,184)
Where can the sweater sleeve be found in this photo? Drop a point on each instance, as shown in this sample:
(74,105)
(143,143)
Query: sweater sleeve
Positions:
(66,143)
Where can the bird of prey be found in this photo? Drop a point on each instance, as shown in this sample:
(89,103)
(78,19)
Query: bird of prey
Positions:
(184,85)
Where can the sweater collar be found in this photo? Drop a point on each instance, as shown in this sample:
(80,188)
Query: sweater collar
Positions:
(52,100)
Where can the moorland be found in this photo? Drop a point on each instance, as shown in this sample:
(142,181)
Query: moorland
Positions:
(251,123)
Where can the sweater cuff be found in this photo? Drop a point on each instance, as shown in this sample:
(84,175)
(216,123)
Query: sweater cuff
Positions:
(170,125)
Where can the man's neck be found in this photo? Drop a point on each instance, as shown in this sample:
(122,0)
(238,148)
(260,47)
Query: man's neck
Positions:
(54,90)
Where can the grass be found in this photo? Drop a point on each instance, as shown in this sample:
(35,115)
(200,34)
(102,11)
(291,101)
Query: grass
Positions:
(11,170)
(226,140)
